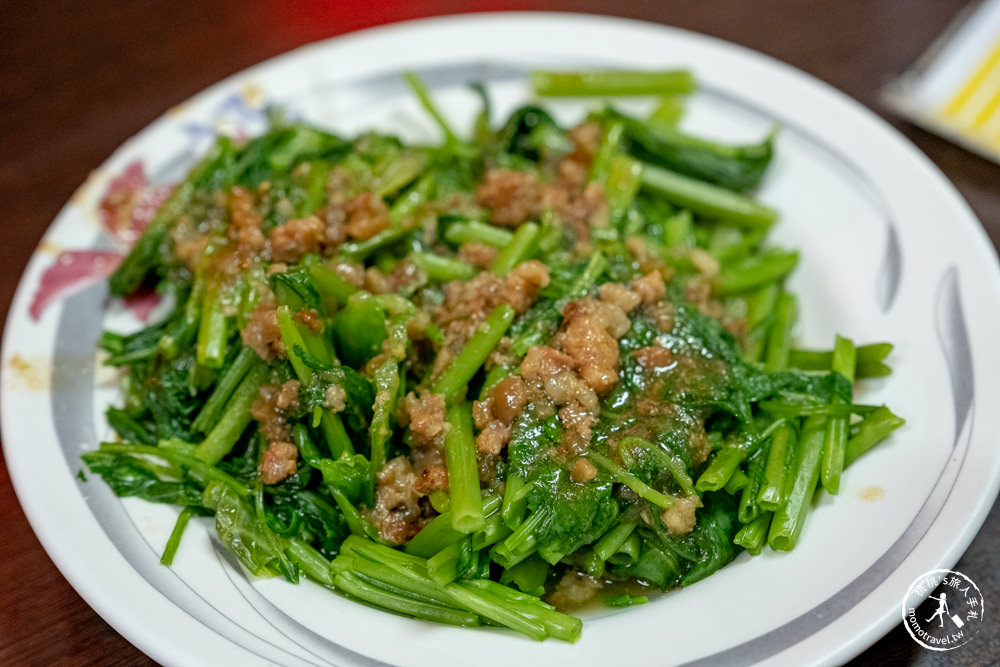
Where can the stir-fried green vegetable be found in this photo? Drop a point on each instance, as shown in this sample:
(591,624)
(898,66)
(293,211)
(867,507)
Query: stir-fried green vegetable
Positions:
(456,381)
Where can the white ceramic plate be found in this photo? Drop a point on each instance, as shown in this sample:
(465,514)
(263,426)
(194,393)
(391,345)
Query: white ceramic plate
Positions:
(890,252)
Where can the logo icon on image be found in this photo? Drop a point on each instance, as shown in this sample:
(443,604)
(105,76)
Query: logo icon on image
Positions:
(943,610)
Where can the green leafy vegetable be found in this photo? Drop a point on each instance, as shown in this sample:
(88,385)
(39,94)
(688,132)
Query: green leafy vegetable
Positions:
(464,382)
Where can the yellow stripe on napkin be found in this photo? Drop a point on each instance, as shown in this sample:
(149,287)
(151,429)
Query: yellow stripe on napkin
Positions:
(975,82)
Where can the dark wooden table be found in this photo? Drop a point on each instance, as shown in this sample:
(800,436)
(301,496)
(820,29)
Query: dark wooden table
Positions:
(78,78)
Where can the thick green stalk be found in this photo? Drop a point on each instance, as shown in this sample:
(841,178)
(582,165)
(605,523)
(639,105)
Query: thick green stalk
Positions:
(678,231)
(311,561)
(628,552)
(622,184)
(182,332)
(213,329)
(235,419)
(611,140)
(521,543)
(786,526)
(556,624)
(455,379)
(515,501)
(493,531)
(474,231)
(334,290)
(495,610)
(298,340)
(442,269)
(871,430)
(493,601)
(520,248)
(612,83)
(307,448)
(357,522)
(295,344)
(779,342)
(668,112)
(359,250)
(708,200)
(597,264)
(749,507)
(752,535)
(463,470)
(374,594)
(868,360)
(439,533)
(612,540)
(771,496)
(386,395)
(409,581)
(174,540)
(755,272)
(760,319)
(406,205)
(335,435)
(738,251)
(211,412)
(721,469)
(835,442)
(444,566)
(529,576)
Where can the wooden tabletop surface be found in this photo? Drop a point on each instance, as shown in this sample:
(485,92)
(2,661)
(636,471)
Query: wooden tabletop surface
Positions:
(79,78)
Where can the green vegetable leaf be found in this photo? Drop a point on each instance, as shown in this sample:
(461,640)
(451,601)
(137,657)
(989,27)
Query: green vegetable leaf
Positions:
(257,547)
(348,474)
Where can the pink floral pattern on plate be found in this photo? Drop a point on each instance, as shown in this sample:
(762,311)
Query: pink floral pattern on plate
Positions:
(125,210)
(128,206)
